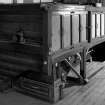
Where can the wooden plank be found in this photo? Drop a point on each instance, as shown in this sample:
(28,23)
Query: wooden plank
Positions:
(102,24)
(19,68)
(31,27)
(37,17)
(75,28)
(29,63)
(56,39)
(93,25)
(20,48)
(20,9)
(97,25)
(66,30)
(83,24)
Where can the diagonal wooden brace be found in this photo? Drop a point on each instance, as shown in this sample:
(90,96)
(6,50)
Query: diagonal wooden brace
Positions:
(82,74)
(73,69)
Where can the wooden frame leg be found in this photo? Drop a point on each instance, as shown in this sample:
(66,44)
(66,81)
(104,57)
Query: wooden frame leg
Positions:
(57,84)
(83,65)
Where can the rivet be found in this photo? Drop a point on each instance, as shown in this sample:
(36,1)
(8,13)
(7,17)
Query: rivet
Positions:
(45,62)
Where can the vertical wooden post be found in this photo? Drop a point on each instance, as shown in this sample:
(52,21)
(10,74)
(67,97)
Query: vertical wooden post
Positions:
(56,90)
(46,33)
(89,27)
(83,64)
(54,72)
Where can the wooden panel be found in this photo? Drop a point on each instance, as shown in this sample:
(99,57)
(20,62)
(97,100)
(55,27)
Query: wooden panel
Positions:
(83,27)
(28,9)
(97,25)
(93,25)
(75,28)
(13,27)
(56,39)
(66,31)
(102,24)
(30,24)
(21,18)
(18,58)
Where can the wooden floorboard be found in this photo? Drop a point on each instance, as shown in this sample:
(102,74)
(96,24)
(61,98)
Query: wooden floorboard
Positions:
(92,93)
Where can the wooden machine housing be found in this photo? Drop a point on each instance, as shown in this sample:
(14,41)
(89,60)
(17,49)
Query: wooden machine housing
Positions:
(37,38)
